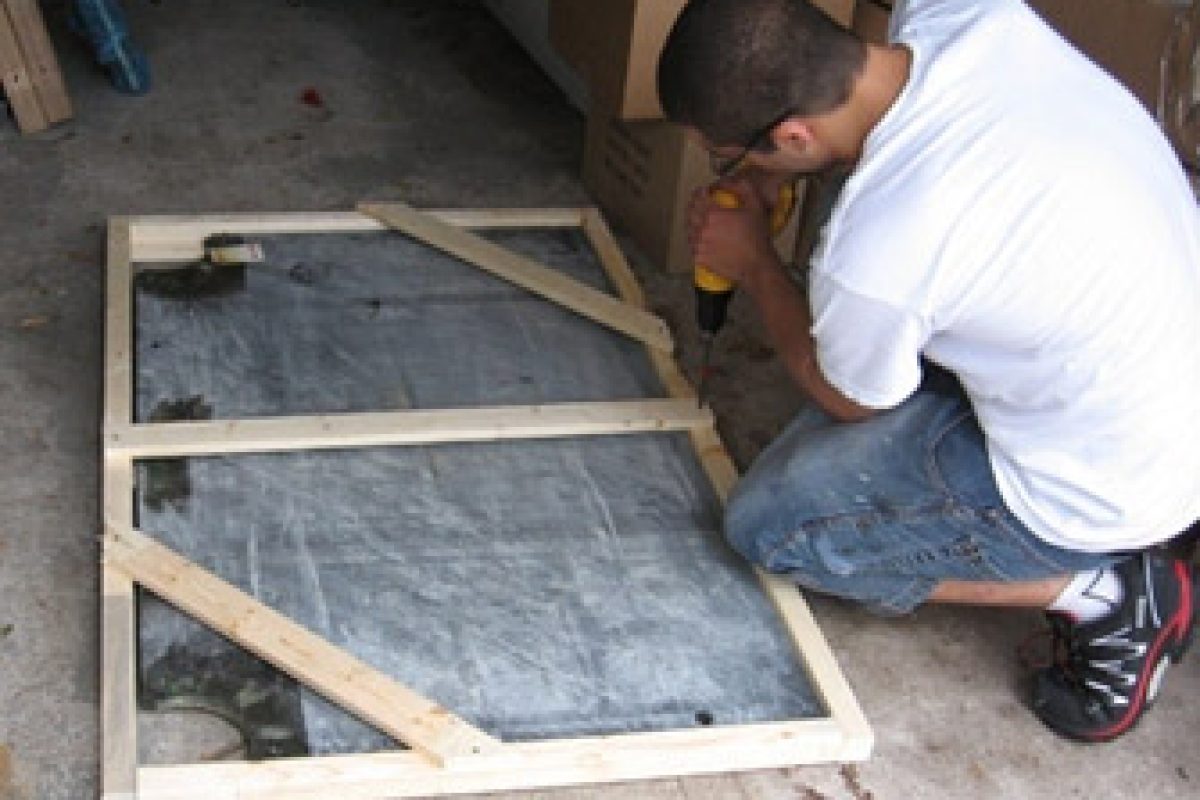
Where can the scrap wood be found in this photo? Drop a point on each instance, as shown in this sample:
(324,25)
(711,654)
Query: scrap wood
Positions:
(18,83)
(41,64)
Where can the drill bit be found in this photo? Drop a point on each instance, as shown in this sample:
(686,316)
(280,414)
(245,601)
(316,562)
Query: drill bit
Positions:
(713,292)
(706,339)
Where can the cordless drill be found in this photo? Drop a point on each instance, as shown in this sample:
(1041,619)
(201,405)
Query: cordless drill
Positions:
(713,291)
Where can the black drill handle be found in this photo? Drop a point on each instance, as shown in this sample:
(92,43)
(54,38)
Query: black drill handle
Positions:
(711,309)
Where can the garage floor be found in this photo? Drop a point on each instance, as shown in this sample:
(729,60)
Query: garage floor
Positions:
(431,103)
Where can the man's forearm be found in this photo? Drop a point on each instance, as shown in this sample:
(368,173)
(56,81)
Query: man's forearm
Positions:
(788,320)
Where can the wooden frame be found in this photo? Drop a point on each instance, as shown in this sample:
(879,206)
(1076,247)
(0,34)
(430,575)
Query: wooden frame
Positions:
(447,754)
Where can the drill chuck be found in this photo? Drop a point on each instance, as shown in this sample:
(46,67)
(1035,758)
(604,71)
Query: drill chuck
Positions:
(711,309)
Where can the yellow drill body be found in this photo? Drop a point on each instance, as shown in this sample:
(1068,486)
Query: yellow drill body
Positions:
(713,291)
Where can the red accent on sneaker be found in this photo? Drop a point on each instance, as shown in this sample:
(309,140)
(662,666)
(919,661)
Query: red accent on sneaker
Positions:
(1177,625)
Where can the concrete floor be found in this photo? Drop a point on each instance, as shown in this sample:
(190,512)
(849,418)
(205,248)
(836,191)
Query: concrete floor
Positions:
(430,103)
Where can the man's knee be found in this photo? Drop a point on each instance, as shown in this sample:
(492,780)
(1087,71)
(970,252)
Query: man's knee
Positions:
(769,506)
(748,523)
(812,560)
(782,550)
(743,530)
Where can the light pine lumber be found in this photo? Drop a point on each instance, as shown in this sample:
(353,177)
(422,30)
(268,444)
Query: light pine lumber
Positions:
(273,434)
(526,273)
(118,634)
(395,709)
(18,83)
(118,325)
(118,681)
(821,667)
(168,238)
(810,643)
(517,766)
(40,61)
(613,261)
(118,620)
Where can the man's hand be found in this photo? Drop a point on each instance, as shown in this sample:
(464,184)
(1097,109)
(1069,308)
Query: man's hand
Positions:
(735,243)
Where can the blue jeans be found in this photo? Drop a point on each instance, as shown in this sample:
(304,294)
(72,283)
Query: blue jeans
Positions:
(881,511)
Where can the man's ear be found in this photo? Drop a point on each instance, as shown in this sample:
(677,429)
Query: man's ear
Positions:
(794,134)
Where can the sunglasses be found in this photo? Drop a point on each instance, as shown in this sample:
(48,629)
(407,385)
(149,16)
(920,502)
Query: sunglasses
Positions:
(726,165)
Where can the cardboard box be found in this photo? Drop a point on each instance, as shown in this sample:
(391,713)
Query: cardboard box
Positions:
(1128,38)
(1180,107)
(643,174)
(615,44)
(1151,46)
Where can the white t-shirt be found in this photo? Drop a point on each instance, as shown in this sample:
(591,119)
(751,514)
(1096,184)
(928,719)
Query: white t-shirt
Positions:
(1018,218)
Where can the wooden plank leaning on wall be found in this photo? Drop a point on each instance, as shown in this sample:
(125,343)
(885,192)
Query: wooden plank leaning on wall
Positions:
(29,69)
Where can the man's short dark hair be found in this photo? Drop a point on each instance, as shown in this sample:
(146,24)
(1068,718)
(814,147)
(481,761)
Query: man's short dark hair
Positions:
(729,67)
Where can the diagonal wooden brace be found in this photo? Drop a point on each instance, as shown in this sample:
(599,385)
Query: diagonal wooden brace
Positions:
(395,709)
(524,272)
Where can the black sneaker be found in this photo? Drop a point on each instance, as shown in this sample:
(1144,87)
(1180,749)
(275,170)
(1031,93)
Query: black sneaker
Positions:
(1114,666)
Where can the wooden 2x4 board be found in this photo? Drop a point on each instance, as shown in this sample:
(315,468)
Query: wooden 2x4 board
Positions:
(29,70)
(447,753)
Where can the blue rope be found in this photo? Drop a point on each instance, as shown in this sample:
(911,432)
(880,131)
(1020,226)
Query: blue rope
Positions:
(103,23)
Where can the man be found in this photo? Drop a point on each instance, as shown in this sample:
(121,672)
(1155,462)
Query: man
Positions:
(1002,321)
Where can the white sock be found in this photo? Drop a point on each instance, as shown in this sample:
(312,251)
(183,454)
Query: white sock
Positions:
(1090,595)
